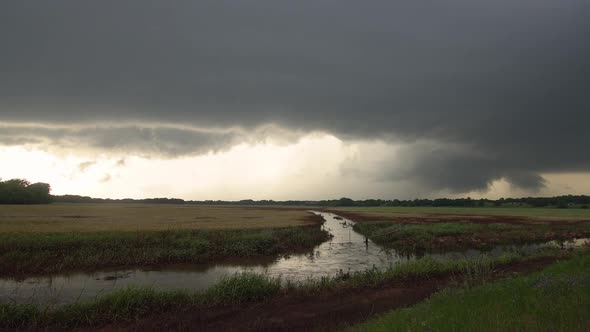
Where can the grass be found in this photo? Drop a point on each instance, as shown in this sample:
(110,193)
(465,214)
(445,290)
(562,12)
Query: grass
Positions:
(135,302)
(459,235)
(552,213)
(79,217)
(18,315)
(556,299)
(132,303)
(66,237)
(464,270)
(37,253)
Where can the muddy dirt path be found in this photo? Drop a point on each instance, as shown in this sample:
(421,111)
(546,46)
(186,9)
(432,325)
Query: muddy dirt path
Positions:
(326,311)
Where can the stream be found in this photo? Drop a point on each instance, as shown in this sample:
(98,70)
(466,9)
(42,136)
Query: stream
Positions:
(345,251)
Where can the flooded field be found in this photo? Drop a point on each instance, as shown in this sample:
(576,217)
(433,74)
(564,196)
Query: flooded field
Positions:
(346,251)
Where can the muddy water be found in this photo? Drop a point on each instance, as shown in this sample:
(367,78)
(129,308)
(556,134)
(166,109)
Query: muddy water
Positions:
(346,251)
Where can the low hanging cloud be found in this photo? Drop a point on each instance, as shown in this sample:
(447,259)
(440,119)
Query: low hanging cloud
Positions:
(82,167)
(473,91)
(155,141)
(106,178)
(440,167)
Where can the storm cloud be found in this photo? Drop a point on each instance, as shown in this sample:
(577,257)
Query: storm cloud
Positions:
(473,91)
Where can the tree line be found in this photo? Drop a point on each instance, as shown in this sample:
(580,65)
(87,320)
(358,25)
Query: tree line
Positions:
(566,201)
(19,191)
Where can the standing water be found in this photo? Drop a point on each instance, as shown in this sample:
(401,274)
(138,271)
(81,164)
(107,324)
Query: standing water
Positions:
(346,251)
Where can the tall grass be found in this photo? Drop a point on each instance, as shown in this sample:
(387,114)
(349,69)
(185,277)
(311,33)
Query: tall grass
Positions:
(23,253)
(135,302)
(466,270)
(243,287)
(18,315)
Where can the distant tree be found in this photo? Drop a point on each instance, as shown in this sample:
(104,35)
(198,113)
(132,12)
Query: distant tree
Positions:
(40,193)
(345,201)
(562,204)
(20,191)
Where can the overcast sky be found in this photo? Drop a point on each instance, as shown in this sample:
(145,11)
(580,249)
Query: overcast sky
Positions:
(309,99)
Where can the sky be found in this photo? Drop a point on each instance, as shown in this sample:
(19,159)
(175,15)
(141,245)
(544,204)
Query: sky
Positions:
(309,99)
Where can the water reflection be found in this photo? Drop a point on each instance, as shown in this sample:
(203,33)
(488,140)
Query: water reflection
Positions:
(347,250)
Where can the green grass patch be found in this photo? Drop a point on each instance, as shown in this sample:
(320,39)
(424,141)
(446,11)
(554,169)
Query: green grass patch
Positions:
(556,299)
(244,287)
(121,305)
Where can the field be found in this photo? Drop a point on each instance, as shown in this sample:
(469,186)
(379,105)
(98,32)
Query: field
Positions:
(466,235)
(456,294)
(533,213)
(427,228)
(142,217)
(68,237)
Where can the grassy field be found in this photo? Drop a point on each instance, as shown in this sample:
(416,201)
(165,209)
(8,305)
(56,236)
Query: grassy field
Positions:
(557,299)
(552,213)
(65,237)
(40,253)
(141,217)
(461,235)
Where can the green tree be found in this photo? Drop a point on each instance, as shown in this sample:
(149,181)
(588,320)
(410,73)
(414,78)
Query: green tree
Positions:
(20,191)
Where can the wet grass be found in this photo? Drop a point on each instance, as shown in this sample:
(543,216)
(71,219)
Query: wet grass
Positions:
(19,315)
(556,299)
(463,270)
(459,235)
(132,303)
(135,302)
(38,253)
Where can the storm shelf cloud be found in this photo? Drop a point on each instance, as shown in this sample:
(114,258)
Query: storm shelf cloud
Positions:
(468,92)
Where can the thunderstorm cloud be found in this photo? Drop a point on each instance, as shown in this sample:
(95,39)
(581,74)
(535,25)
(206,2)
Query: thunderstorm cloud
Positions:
(469,91)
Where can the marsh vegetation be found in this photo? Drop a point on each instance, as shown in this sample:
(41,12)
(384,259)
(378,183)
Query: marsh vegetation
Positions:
(92,237)
(61,238)
(460,235)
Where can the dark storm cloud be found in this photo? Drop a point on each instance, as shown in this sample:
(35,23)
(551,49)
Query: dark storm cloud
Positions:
(457,168)
(500,86)
(145,141)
